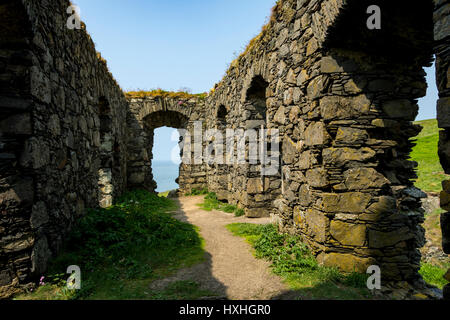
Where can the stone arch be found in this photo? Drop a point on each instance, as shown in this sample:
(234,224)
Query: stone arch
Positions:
(149,114)
(173,119)
(151,106)
(167,118)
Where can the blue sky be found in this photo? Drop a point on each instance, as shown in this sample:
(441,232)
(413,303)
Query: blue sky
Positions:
(175,44)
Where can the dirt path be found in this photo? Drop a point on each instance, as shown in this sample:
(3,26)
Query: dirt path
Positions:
(230,270)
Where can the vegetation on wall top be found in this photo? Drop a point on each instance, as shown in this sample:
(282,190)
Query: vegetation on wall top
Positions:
(164,94)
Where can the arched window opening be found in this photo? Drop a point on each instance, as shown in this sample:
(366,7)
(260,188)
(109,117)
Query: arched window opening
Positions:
(256,98)
(222,114)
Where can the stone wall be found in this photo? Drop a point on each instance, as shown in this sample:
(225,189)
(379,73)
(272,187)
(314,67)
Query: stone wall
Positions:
(442,49)
(344,99)
(62,140)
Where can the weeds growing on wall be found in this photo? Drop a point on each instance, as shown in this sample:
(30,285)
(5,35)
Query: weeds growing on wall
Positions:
(212,203)
(165,94)
(122,249)
(292,260)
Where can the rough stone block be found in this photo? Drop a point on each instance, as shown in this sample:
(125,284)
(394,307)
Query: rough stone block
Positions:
(345,262)
(351,136)
(255,185)
(18,244)
(348,234)
(314,223)
(364,178)
(351,202)
(257,212)
(441,19)
(291,150)
(339,108)
(317,177)
(21,193)
(316,134)
(443,112)
(379,239)
(341,156)
(401,109)
(385,204)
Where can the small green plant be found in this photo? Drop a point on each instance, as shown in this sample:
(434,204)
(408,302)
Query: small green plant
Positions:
(434,274)
(212,203)
(198,192)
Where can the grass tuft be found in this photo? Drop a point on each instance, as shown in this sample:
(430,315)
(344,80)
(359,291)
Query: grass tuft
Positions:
(433,274)
(122,249)
(212,203)
(430,173)
(197,192)
(292,260)
(182,95)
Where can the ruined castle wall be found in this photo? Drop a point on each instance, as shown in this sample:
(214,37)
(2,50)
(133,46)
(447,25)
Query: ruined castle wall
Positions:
(442,49)
(346,182)
(149,113)
(286,58)
(342,97)
(59,152)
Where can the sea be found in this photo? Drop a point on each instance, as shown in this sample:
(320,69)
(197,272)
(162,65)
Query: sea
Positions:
(165,173)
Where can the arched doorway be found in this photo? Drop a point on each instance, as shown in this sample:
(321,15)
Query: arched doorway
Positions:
(163,170)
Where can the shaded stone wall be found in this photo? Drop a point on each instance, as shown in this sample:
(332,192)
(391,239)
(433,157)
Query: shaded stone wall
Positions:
(442,49)
(55,159)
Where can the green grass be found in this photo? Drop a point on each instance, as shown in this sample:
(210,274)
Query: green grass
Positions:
(164,194)
(430,172)
(434,274)
(197,192)
(291,259)
(212,203)
(122,249)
